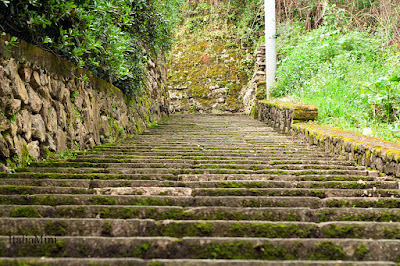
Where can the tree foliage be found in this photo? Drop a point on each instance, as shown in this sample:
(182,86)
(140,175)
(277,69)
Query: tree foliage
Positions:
(111,38)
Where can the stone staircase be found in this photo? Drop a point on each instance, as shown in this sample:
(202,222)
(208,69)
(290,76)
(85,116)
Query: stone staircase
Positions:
(200,189)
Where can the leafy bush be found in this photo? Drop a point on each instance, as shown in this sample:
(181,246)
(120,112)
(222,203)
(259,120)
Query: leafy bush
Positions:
(111,38)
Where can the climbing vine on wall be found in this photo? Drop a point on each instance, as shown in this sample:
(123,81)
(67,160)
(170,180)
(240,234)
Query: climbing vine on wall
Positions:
(111,38)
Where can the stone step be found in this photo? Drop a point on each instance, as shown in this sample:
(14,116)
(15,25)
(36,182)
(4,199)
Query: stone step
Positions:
(206,165)
(35,190)
(301,214)
(209,157)
(188,201)
(295,192)
(179,262)
(282,155)
(204,248)
(201,189)
(196,148)
(216,160)
(211,228)
(243,184)
(175,176)
(210,145)
(296,176)
(186,191)
(193,171)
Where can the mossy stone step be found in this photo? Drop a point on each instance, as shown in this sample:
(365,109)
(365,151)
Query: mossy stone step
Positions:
(204,145)
(203,213)
(277,176)
(195,148)
(229,178)
(179,262)
(210,228)
(271,154)
(195,165)
(222,160)
(209,248)
(296,192)
(196,156)
(34,190)
(193,171)
(221,188)
(187,201)
(231,201)
(239,184)
(89,176)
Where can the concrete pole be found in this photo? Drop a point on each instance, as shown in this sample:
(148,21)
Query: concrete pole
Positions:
(270,44)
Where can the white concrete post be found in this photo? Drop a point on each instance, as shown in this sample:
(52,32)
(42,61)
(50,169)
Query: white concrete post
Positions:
(270,44)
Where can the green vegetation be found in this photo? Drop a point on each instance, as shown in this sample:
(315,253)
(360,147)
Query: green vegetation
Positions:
(272,230)
(213,48)
(350,71)
(57,228)
(327,250)
(241,250)
(113,39)
(181,229)
(343,231)
(102,200)
(24,212)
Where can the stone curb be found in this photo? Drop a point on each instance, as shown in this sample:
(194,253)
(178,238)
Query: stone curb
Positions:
(368,151)
(371,152)
(282,114)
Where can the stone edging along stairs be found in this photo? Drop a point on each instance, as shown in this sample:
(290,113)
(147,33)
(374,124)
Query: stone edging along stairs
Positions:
(201,189)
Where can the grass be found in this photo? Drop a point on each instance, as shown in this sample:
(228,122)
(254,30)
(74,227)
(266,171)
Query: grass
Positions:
(351,76)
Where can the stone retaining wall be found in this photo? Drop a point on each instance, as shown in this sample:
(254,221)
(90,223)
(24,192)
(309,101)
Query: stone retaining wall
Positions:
(47,106)
(363,150)
(281,114)
(368,151)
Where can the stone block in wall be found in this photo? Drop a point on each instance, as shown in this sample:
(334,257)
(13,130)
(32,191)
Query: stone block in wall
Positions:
(34,80)
(33,149)
(38,128)
(59,91)
(10,143)
(5,124)
(12,106)
(61,140)
(50,144)
(5,90)
(105,129)
(19,143)
(35,102)
(80,135)
(4,149)
(24,123)
(49,115)
(13,129)
(18,86)
(61,115)
(25,72)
